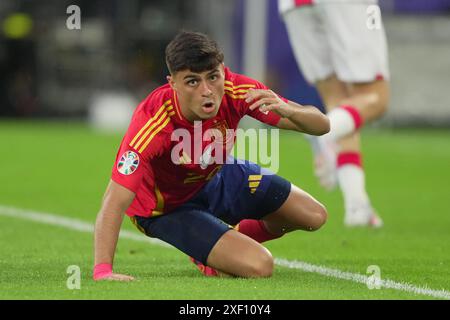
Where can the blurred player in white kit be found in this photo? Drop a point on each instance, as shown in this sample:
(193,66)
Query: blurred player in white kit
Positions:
(340,47)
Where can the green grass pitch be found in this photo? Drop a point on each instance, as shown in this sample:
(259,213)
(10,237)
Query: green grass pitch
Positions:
(63,169)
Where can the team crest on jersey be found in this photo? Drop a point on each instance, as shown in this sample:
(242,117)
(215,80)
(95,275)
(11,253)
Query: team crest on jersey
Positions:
(128,163)
(221,135)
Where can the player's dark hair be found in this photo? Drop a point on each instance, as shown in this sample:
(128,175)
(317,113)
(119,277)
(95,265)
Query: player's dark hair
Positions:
(192,51)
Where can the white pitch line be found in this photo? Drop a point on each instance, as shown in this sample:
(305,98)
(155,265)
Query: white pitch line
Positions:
(71,223)
(359,278)
(78,225)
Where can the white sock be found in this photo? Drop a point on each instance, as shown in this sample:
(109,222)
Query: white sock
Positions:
(351,179)
(342,122)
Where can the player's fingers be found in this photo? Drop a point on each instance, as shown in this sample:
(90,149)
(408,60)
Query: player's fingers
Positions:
(256,104)
(254,94)
(269,107)
(260,102)
(123,277)
(119,277)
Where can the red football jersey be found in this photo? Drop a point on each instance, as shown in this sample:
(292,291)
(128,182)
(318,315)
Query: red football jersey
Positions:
(150,161)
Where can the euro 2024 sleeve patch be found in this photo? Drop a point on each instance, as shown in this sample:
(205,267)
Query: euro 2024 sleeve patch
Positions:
(128,163)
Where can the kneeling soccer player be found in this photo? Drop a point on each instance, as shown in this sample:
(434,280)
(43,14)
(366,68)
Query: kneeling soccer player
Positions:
(191,203)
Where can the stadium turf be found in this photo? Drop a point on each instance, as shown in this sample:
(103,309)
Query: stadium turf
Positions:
(63,168)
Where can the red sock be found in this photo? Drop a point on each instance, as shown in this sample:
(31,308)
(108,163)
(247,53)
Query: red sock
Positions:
(349,157)
(256,230)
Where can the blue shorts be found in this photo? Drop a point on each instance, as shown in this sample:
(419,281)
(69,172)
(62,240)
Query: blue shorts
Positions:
(238,191)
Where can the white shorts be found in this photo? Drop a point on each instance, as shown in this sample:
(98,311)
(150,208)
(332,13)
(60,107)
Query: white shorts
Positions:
(338,38)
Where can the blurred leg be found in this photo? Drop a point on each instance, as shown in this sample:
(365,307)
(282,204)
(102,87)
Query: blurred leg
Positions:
(332,92)
(335,93)
(370,99)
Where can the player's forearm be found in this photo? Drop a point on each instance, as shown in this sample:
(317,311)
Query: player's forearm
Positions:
(308,119)
(107,228)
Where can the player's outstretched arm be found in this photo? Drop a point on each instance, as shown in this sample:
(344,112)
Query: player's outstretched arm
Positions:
(307,119)
(107,227)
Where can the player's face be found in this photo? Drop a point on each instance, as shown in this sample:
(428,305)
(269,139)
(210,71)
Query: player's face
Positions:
(199,94)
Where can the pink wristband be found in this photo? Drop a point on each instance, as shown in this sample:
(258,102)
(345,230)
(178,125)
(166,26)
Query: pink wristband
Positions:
(102,270)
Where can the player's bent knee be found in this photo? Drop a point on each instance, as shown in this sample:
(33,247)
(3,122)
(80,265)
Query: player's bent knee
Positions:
(261,267)
(257,264)
(320,217)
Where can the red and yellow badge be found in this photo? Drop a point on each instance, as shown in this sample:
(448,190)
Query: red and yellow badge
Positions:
(128,163)
(219,134)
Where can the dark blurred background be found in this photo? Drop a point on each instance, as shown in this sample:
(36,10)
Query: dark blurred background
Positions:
(117,57)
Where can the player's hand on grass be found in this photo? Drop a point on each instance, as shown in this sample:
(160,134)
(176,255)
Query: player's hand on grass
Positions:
(267,100)
(115,277)
(103,271)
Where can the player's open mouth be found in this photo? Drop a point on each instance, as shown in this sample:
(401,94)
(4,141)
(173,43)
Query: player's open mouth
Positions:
(208,107)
